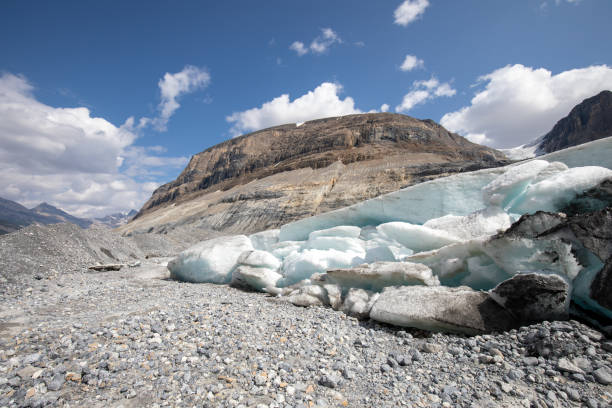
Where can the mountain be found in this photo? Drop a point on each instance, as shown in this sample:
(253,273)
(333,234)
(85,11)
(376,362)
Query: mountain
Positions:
(117,219)
(274,176)
(590,120)
(58,215)
(14,216)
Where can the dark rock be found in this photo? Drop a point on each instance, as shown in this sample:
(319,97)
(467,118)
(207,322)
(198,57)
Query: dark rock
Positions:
(105,268)
(594,231)
(329,381)
(601,287)
(534,297)
(588,121)
(594,199)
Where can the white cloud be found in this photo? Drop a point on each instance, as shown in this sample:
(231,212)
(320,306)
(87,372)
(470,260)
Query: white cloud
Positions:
(322,102)
(423,91)
(412,62)
(173,86)
(519,104)
(384,107)
(319,45)
(409,11)
(68,158)
(299,47)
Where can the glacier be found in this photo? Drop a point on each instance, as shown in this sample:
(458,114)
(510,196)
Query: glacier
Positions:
(454,231)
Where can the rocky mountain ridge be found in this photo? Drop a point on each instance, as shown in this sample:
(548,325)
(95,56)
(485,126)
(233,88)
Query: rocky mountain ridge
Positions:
(14,216)
(278,175)
(588,121)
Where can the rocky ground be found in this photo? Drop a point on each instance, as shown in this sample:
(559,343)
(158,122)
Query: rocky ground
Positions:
(133,338)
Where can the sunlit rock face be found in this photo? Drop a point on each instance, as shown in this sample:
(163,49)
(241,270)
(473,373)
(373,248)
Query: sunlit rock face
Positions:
(497,229)
(275,176)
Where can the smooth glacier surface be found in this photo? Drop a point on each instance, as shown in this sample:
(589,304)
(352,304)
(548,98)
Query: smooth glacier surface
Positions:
(448,226)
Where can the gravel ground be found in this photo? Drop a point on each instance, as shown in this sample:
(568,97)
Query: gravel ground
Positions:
(133,338)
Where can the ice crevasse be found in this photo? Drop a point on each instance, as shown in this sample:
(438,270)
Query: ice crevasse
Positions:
(451,227)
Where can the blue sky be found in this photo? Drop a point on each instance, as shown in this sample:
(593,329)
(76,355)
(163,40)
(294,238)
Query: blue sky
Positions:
(498,72)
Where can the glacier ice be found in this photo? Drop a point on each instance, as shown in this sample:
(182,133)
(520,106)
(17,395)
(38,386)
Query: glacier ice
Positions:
(343,244)
(301,265)
(248,277)
(595,153)
(209,261)
(265,240)
(376,276)
(259,259)
(458,194)
(348,231)
(283,249)
(555,192)
(510,184)
(451,227)
(416,237)
(480,223)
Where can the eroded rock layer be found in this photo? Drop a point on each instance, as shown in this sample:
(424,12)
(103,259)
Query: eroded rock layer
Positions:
(278,175)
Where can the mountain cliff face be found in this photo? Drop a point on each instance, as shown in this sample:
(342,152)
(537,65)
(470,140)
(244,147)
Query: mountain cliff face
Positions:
(588,121)
(278,175)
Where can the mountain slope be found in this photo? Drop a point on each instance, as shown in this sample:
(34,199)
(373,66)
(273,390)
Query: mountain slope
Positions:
(589,120)
(58,215)
(277,175)
(14,216)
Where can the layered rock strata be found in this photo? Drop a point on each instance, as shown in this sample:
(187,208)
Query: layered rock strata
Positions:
(278,175)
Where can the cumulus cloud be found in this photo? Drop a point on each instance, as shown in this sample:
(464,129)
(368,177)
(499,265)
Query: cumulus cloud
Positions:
(322,102)
(384,107)
(409,11)
(412,62)
(173,86)
(519,103)
(68,158)
(319,45)
(423,91)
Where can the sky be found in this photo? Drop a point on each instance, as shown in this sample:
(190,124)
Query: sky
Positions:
(103,101)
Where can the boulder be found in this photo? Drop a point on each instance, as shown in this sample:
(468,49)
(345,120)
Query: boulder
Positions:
(378,275)
(534,297)
(440,308)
